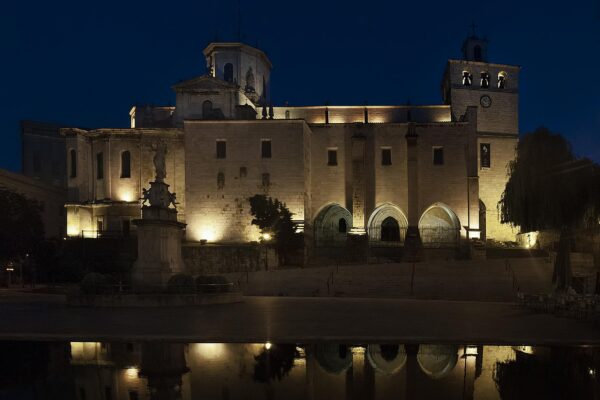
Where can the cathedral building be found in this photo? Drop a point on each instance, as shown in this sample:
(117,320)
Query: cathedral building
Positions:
(371,171)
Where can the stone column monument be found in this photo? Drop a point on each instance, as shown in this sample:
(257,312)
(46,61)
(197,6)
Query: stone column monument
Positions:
(159,233)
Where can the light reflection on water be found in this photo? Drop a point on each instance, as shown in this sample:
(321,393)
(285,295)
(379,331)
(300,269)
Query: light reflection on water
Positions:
(158,370)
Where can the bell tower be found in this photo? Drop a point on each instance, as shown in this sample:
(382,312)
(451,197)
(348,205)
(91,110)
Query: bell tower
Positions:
(493,88)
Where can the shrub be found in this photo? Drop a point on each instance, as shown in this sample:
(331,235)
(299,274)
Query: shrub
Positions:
(95,283)
(205,284)
(181,283)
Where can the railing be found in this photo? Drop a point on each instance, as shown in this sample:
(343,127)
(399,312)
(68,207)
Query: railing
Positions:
(439,237)
(386,237)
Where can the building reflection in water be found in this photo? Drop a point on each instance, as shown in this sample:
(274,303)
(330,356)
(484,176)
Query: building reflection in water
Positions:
(316,371)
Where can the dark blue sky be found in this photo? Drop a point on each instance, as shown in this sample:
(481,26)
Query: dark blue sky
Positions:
(86,63)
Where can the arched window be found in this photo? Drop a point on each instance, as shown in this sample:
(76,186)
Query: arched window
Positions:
(342,226)
(485,80)
(126,164)
(287,114)
(73,156)
(477,53)
(207,109)
(467,78)
(228,72)
(501,80)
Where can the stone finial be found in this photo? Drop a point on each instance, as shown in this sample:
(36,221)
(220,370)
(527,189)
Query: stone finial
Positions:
(271,112)
(264,111)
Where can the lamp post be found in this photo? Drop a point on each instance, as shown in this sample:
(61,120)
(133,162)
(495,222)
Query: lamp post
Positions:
(264,239)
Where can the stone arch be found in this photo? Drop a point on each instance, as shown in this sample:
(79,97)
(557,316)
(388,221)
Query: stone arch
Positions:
(333,358)
(437,361)
(207,109)
(439,226)
(388,213)
(386,359)
(327,225)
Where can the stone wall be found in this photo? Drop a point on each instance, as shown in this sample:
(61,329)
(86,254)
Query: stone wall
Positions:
(219,212)
(220,259)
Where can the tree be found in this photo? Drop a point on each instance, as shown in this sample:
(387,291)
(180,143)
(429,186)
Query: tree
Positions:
(273,218)
(21,228)
(550,188)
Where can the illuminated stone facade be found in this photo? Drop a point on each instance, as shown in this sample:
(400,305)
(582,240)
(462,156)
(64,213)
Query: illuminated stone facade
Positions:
(372,170)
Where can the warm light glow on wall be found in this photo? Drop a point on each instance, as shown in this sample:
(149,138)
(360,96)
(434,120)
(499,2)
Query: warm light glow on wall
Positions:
(73,230)
(209,351)
(132,373)
(126,194)
(474,234)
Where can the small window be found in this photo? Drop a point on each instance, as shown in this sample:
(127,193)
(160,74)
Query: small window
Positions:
(342,226)
(467,78)
(99,166)
(438,155)
(386,156)
(73,160)
(485,155)
(485,80)
(266,180)
(501,80)
(265,148)
(332,157)
(228,72)
(221,149)
(287,114)
(243,172)
(99,225)
(37,162)
(126,164)
(220,180)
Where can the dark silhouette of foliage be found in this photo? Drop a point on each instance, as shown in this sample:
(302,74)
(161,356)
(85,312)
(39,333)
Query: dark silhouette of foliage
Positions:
(274,363)
(274,218)
(21,226)
(565,373)
(550,188)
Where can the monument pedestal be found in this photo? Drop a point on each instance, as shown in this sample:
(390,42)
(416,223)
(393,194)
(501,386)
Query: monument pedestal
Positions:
(159,236)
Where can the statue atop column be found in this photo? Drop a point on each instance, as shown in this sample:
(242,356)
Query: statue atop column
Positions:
(160,154)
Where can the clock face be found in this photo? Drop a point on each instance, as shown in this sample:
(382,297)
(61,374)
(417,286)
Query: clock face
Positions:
(486,101)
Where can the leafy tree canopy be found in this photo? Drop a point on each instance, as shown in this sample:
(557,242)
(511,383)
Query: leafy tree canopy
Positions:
(21,228)
(548,186)
(274,218)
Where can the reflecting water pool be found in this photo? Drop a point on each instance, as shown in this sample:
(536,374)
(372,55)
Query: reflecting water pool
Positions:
(158,370)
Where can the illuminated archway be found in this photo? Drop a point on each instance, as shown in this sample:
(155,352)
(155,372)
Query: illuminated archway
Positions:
(387,223)
(386,359)
(437,361)
(439,226)
(331,225)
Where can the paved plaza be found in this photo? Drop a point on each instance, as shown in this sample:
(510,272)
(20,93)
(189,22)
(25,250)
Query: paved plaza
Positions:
(291,319)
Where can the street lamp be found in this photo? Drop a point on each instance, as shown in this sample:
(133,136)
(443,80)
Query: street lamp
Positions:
(265,237)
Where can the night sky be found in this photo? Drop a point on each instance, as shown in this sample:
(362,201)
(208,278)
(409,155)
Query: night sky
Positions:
(86,63)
